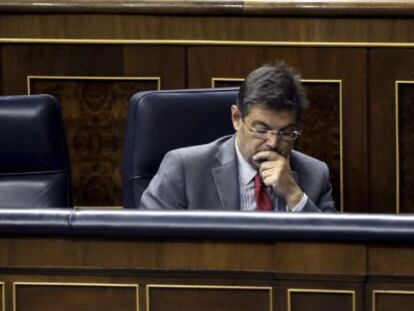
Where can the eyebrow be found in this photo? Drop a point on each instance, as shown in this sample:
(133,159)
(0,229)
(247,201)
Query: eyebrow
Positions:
(267,126)
(256,123)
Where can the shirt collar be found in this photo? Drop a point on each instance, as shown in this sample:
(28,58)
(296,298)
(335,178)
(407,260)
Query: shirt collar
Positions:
(246,171)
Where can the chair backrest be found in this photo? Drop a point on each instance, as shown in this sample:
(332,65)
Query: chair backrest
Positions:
(159,121)
(34,161)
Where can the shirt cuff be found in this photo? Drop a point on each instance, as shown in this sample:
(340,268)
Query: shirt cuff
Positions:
(299,207)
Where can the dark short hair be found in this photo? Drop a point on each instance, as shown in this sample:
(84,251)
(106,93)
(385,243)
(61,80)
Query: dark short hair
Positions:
(277,87)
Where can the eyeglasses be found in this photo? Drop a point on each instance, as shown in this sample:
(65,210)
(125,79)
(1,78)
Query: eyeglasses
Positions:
(281,134)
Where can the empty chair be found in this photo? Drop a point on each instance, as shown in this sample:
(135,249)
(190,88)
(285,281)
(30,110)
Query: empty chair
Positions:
(34,161)
(159,121)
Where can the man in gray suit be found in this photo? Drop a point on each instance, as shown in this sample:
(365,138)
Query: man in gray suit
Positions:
(255,169)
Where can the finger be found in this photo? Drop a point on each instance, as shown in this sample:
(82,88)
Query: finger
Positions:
(266,156)
(271,164)
(266,165)
(270,181)
(274,173)
(265,176)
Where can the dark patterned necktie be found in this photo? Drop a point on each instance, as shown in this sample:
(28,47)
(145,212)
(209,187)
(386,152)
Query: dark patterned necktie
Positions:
(263,201)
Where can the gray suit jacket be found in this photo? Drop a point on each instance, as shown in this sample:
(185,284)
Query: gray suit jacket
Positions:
(205,177)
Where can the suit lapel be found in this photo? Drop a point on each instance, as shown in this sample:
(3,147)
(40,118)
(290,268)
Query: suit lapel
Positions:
(226,176)
(294,166)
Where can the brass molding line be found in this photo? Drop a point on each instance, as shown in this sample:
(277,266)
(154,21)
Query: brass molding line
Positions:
(117,285)
(214,80)
(224,287)
(29,78)
(397,143)
(202,42)
(388,292)
(3,296)
(320,291)
(397,151)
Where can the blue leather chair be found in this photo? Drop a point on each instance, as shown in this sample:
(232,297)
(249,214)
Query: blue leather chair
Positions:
(34,161)
(159,121)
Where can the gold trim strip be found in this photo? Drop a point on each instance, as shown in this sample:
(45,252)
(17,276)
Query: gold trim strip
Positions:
(341,140)
(3,296)
(236,287)
(15,284)
(397,150)
(107,78)
(203,42)
(389,292)
(219,79)
(321,291)
(397,143)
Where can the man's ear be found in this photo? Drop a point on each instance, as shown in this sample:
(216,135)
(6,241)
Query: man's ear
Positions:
(236,117)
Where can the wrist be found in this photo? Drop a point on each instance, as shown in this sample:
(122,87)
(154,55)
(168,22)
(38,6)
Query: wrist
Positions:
(294,198)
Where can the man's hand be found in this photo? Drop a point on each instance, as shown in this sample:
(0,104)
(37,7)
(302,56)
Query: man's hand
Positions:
(275,172)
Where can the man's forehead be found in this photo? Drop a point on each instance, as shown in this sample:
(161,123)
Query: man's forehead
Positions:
(264,114)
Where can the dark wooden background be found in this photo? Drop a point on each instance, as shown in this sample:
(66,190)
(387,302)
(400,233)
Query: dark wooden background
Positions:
(94,56)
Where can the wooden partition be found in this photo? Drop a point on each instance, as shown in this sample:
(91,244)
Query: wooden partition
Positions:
(356,59)
(40,273)
(2,297)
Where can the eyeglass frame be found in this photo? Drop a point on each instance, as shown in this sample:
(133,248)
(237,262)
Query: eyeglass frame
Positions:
(264,134)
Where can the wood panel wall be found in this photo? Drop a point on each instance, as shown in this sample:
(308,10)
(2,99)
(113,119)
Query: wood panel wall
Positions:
(93,60)
(86,273)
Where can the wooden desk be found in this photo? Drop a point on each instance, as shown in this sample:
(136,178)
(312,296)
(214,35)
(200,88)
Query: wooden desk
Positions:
(204,260)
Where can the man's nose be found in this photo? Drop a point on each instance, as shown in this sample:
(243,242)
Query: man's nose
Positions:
(272,140)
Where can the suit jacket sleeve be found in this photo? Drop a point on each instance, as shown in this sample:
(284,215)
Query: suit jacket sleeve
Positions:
(324,202)
(167,189)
